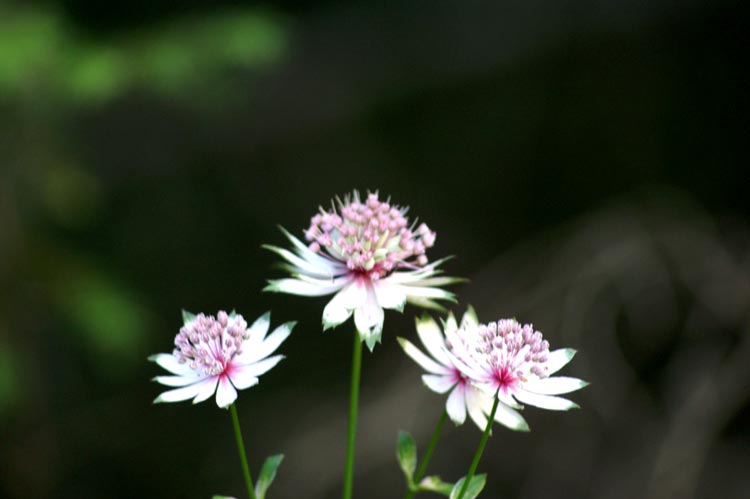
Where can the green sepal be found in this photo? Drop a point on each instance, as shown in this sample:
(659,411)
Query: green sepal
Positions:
(475,487)
(267,474)
(435,484)
(406,453)
(187,316)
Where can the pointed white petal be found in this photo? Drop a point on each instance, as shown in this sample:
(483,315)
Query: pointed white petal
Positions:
(171,364)
(425,303)
(431,293)
(371,339)
(302,287)
(207,390)
(439,383)
(455,406)
(242,378)
(473,372)
(439,281)
(179,380)
(545,401)
(256,368)
(506,399)
(432,339)
(260,327)
(306,253)
(420,358)
(510,418)
(183,393)
(475,407)
(267,347)
(340,308)
(554,385)
(558,359)
(470,317)
(322,270)
(225,393)
(389,295)
(414,276)
(335,314)
(450,323)
(369,319)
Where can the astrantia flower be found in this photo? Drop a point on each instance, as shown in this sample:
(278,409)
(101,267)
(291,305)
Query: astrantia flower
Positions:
(444,376)
(218,355)
(511,360)
(368,254)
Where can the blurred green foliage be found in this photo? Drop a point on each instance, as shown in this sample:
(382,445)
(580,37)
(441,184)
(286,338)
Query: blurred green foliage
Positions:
(111,323)
(8,379)
(41,56)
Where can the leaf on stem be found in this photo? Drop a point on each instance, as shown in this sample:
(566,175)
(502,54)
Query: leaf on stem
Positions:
(435,484)
(222,497)
(406,452)
(475,487)
(267,474)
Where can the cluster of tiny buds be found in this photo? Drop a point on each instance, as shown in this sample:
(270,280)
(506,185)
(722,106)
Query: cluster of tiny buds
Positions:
(208,343)
(371,237)
(511,345)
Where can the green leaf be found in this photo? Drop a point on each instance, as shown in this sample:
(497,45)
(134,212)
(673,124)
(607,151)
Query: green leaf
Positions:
(406,452)
(187,316)
(222,497)
(475,487)
(267,474)
(435,484)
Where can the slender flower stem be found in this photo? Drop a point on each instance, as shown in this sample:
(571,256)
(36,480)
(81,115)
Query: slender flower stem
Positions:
(241,450)
(480,449)
(353,401)
(428,454)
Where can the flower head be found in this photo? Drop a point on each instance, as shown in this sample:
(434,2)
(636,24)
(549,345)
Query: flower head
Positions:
(512,361)
(443,375)
(368,254)
(218,355)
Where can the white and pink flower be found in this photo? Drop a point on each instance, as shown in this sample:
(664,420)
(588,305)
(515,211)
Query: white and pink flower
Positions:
(369,257)
(444,376)
(512,361)
(218,355)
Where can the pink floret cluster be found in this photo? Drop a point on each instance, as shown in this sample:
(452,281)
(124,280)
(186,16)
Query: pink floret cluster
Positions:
(371,237)
(207,344)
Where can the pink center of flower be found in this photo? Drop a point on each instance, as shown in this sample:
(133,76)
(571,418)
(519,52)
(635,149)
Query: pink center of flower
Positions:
(512,350)
(505,379)
(372,238)
(208,344)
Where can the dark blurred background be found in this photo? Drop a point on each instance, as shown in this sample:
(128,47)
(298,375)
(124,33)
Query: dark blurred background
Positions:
(583,160)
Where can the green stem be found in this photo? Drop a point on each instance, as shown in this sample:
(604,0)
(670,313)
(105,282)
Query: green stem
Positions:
(241,450)
(480,449)
(427,454)
(353,400)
